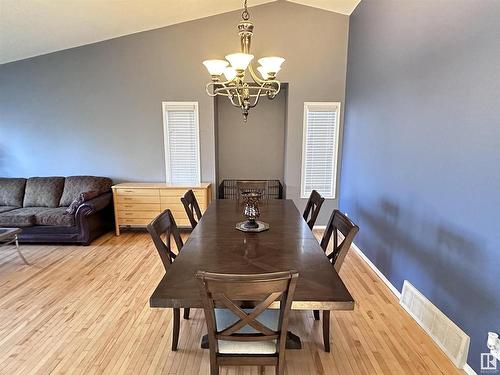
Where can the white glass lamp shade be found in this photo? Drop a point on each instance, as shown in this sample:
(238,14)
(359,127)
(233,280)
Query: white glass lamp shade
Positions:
(271,64)
(265,73)
(239,61)
(230,73)
(215,67)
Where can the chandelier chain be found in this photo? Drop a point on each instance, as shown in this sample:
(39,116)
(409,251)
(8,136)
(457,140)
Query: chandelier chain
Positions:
(245,15)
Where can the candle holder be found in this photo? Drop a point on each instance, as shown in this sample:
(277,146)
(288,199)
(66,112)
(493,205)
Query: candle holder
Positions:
(251,211)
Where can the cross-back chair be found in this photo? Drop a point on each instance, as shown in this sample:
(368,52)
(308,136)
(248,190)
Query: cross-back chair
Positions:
(164,226)
(338,223)
(192,208)
(242,336)
(312,209)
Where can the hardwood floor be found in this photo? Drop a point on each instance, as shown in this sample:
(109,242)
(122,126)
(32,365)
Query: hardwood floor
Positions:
(85,310)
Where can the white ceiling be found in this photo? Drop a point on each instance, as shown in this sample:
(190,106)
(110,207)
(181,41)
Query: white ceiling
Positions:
(34,27)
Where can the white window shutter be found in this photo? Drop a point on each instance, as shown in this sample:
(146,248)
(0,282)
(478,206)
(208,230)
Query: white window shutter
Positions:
(182,148)
(320,149)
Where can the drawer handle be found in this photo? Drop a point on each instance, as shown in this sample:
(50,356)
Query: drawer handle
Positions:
(128,191)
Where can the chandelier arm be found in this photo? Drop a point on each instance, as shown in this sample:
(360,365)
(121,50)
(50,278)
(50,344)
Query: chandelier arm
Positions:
(254,76)
(278,88)
(255,102)
(224,90)
(213,93)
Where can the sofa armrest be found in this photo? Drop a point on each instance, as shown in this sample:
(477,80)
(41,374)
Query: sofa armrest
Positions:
(95,204)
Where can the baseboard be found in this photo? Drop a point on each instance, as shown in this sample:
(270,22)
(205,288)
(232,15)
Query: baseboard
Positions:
(467,369)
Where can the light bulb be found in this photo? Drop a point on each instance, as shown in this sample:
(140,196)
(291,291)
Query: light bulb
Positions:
(271,64)
(215,67)
(239,61)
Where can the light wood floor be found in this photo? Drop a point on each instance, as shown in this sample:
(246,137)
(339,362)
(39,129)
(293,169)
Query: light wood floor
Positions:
(85,310)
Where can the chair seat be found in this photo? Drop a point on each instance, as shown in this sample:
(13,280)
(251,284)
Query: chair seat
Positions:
(224,318)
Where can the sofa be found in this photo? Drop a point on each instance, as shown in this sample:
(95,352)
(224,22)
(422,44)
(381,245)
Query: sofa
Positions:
(74,209)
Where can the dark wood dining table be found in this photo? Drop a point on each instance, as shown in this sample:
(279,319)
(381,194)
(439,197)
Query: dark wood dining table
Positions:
(216,245)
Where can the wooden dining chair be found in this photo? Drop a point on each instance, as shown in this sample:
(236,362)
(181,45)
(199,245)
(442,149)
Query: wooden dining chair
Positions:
(338,223)
(312,209)
(247,336)
(251,186)
(164,225)
(191,206)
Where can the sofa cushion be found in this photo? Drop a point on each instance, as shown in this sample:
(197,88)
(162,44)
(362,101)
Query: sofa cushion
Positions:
(12,191)
(20,217)
(7,208)
(43,191)
(75,185)
(54,216)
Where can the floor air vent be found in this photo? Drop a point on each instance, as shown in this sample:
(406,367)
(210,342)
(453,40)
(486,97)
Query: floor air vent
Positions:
(450,338)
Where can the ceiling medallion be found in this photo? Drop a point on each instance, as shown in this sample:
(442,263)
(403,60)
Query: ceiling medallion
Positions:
(244,95)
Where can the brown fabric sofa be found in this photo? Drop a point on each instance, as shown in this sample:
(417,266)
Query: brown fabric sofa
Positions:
(39,206)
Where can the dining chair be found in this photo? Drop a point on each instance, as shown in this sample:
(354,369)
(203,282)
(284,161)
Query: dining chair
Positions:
(164,225)
(191,206)
(338,223)
(312,209)
(259,186)
(241,336)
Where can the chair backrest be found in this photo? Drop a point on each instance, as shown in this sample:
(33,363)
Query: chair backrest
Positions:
(339,223)
(165,225)
(312,209)
(261,290)
(191,206)
(251,186)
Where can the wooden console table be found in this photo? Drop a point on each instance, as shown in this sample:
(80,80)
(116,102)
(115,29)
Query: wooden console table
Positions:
(137,204)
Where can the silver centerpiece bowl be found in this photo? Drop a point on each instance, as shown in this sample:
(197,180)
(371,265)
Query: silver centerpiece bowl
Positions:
(251,211)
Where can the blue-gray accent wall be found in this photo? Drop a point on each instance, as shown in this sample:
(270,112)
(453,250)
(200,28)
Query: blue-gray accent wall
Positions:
(421,157)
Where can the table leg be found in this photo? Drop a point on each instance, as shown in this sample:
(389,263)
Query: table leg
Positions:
(326,330)
(175,331)
(19,250)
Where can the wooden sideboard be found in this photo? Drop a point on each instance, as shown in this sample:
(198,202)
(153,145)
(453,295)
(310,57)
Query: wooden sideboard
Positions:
(137,204)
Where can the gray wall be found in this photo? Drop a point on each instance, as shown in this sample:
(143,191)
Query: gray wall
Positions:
(254,150)
(97,109)
(421,159)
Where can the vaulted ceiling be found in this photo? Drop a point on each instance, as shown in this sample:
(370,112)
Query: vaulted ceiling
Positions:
(34,27)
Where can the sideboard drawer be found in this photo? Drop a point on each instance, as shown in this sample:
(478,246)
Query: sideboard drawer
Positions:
(139,207)
(138,214)
(141,222)
(177,200)
(136,191)
(140,199)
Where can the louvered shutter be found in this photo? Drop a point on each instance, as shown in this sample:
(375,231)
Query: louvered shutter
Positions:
(182,148)
(320,148)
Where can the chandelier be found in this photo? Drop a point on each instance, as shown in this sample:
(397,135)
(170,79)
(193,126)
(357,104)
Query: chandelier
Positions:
(242,94)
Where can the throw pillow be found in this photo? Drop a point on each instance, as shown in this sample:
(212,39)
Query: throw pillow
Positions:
(82,197)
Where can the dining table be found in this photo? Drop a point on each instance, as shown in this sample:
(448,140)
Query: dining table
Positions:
(215,245)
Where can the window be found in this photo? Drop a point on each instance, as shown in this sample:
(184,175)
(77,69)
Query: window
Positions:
(320,148)
(182,144)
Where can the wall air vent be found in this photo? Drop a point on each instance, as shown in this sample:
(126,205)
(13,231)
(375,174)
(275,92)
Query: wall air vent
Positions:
(449,337)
